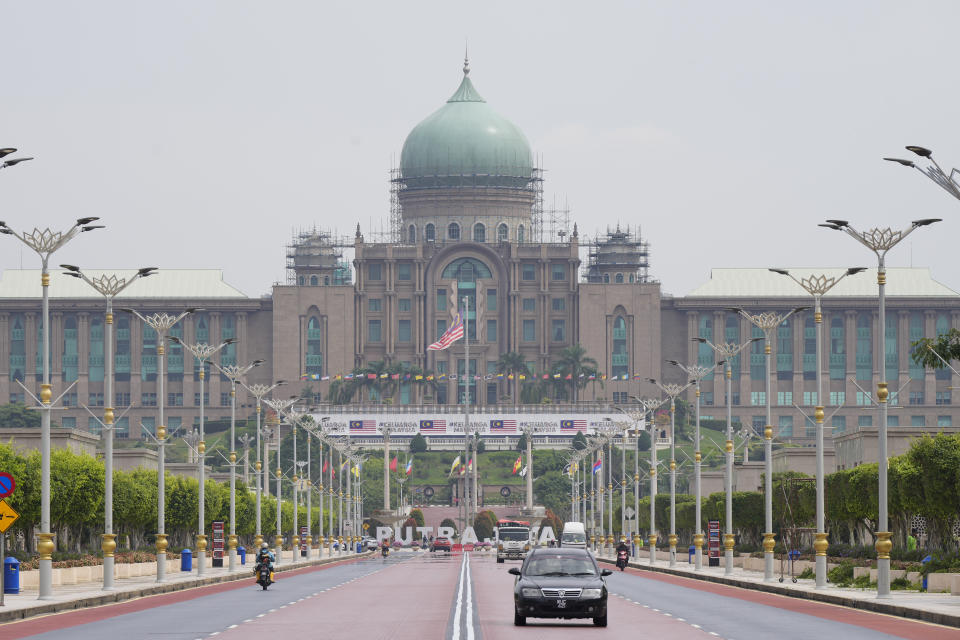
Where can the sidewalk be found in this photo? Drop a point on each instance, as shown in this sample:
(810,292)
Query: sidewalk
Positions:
(91,594)
(938,608)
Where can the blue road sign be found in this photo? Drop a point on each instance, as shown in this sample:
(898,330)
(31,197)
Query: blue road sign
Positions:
(7,484)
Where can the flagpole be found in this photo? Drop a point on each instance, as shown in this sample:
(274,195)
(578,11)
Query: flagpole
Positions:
(466,415)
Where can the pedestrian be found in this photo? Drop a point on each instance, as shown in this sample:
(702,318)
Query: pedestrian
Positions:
(912,540)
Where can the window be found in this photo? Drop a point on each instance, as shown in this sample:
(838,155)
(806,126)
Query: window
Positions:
(206,399)
(839,424)
(441,328)
(441,299)
(70,357)
(621,397)
(301,281)
(942,327)
(123,399)
(943,397)
(606,278)
(95,399)
(17,397)
(479,233)
(491,330)
(403,304)
(149,425)
(706,397)
(224,398)
(314,281)
(809,398)
(373,331)
(809,347)
(944,421)
(148,399)
(838,398)
(503,233)
(93,426)
(442,366)
(529,304)
(69,399)
(491,299)
(558,304)
(731,332)
(529,331)
(121,356)
(758,361)
(784,355)
(375,271)
(528,272)
(403,271)
(453,231)
(175,399)
(916,397)
(838,353)
(865,421)
(69,422)
(619,358)
(412,234)
(915,421)
(121,427)
(786,426)
(403,331)
(864,358)
(619,278)
(915,329)
(559,271)
(520,236)
(559,333)
(758,398)
(785,398)
(863,399)
(466,270)
(374,304)
(313,359)
(326,281)
(95,358)
(430,233)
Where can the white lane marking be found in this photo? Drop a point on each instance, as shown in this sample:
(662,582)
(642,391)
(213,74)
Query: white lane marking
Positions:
(669,615)
(233,626)
(457,612)
(469,618)
(696,626)
(248,620)
(714,633)
(261,615)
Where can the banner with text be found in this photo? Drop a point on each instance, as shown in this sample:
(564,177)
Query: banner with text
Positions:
(499,424)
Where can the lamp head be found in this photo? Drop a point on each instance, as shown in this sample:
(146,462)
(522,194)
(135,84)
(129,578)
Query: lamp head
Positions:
(734,310)
(91,227)
(191,310)
(7,151)
(799,309)
(782,272)
(926,221)
(83,221)
(280,383)
(906,163)
(839,223)
(757,339)
(920,151)
(174,339)
(229,341)
(6,230)
(146,271)
(721,362)
(699,339)
(257,363)
(855,270)
(126,309)
(70,267)
(673,362)
(10,163)
(831,226)
(72,274)
(651,381)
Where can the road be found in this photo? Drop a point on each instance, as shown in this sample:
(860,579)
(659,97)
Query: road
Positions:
(461,597)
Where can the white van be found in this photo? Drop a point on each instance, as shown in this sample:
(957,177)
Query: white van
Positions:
(574,535)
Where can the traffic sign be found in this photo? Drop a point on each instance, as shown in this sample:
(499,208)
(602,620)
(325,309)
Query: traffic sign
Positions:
(629,513)
(7,516)
(7,484)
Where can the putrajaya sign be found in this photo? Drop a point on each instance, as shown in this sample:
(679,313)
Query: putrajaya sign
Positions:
(492,424)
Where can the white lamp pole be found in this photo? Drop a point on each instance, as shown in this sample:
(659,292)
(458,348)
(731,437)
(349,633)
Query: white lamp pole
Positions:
(45,242)
(279,407)
(880,241)
(259,391)
(949,182)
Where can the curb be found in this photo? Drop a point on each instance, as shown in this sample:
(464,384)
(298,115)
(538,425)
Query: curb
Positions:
(875,606)
(14,615)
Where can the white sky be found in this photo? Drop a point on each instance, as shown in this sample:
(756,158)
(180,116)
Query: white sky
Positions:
(204,133)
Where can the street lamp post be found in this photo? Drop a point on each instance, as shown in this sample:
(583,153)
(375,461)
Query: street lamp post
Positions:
(109,287)
(949,182)
(161,323)
(880,241)
(45,242)
(729,350)
(673,390)
(696,373)
(202,352)
(817,286)
(639,415)
(279,408)
(235,374)
(258,391)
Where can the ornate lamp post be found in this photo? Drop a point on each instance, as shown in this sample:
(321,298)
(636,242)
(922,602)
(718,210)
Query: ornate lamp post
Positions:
(235,374)
(817,286)
(161,323)
(947,181)
(259,391)
(880,241)
(109,287)
(729,350)
(202,352)
(672,390)
(279,407)
(45,242)
(696,373)
(639,415)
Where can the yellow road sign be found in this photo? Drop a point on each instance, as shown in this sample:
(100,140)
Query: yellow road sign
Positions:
(7,516)
(366,526)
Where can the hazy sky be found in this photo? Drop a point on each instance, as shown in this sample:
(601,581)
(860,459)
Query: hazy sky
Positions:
(204,133)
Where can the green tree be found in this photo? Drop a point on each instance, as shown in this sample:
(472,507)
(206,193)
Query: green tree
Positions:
(417,515)
(946,346)
(552,490)
(643,441)
(579,441)
(448,522)
(418,444)
(575,362)
(18,416)
(522,442)
(514,364)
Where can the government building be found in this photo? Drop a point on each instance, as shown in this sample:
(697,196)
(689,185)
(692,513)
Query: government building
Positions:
(469,233)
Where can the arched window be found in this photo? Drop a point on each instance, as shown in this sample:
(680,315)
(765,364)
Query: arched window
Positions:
(606,278)
(503,233)
(453,231)
(326,281)
(466,270)
(620,359)
(302,281)
(430,233)
(619,279)
(313,281)
(631,278)
(479,233)
(520,234)
(314,355)
(412,233)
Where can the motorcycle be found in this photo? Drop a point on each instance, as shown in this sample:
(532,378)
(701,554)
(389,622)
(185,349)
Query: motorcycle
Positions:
(384,551)
(264,575)
(622,559)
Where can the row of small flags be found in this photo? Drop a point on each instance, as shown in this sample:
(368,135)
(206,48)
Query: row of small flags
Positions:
(411,377)
(354,470)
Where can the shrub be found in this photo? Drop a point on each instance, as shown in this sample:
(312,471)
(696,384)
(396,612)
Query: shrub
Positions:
(841,575)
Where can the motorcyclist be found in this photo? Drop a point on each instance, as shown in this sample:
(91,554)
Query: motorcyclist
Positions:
(623,546)
(265,556)
(385,548)
(623,552)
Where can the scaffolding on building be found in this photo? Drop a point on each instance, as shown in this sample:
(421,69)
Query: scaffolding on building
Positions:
(321,251)
(620,252)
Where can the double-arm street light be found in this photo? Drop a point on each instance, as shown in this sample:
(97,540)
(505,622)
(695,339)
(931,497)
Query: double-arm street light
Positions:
(161,323)
(949,182)
(45,242)
(880,241)
(259,391)
(639,416)
(817,286)
(673,390)
(109,287)
(279,407)
(202,352)
(696,373)
(728,351)
(235,374)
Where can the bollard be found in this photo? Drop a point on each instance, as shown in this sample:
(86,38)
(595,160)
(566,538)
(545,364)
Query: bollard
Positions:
(242,552)
(11,575)
(691,552)
(925,561)
(186,560)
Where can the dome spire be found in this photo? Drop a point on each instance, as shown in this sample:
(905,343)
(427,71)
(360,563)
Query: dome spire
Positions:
(466,59)
(465,92)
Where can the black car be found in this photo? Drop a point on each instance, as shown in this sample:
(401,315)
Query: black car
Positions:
(560,583)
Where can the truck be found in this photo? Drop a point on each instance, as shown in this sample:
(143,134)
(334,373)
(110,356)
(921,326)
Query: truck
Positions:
(513,539)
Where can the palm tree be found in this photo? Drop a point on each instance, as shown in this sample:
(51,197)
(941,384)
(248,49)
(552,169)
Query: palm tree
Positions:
(383,382)
(575,362)
(513,363)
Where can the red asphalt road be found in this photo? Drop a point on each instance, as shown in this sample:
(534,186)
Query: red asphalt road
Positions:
(893,625)
(56,621)
(493,587)
(406,601)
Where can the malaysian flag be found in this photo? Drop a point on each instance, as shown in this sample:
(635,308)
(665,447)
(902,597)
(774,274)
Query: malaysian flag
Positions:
(451,335)
(433,426)
(503,426)
(573,425)
(363,426)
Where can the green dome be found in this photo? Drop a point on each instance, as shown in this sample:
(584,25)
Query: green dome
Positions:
(465,142)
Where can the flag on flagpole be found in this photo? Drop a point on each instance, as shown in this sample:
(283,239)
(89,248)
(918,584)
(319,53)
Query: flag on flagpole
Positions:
(451,335)
(344,465)
(517,465)
(470,465)
(409,469)
(325,463)
(596,466)
(393,464)
(523,472)
(456,463)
